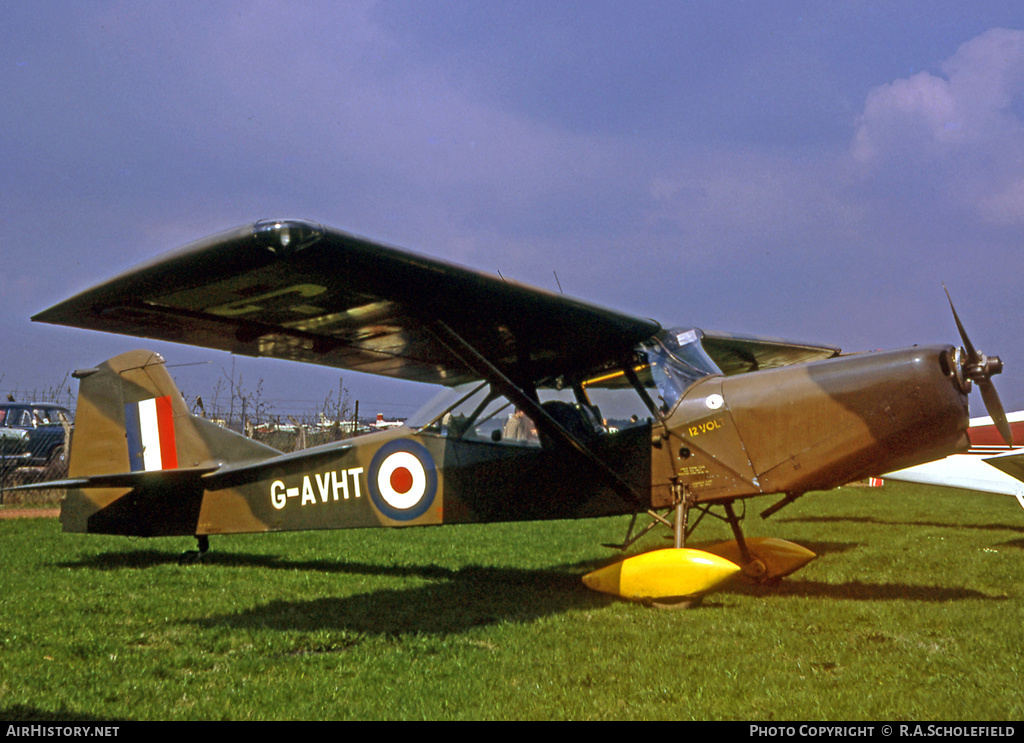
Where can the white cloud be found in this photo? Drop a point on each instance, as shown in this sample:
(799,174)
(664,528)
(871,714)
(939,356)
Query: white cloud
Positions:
(959,135)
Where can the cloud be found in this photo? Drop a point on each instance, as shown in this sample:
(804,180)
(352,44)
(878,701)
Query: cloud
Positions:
(958,136)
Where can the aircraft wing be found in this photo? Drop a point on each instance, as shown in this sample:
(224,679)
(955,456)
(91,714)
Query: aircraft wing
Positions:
(988,466)
(296,290)
(738,354)
(965,471)
(1011,464)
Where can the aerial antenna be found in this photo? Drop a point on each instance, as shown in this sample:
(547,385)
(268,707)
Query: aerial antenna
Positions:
(557,281)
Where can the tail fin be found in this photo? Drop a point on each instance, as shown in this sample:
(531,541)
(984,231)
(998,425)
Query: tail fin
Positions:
(131,420)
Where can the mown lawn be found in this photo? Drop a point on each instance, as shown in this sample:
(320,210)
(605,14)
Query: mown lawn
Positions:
(912,611)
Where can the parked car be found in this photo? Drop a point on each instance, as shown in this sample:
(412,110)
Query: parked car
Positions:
(32,435)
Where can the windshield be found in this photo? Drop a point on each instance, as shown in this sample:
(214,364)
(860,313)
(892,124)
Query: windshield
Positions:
(677,360)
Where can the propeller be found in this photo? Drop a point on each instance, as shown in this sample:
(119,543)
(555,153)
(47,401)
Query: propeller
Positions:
(979,368)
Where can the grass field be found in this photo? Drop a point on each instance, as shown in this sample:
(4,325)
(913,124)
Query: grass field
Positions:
(914,610)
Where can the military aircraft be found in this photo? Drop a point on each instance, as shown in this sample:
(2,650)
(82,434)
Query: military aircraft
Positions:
(552,408)
(989,466)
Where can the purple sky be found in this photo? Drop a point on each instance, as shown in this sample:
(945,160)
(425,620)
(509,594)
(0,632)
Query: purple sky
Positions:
(807,170)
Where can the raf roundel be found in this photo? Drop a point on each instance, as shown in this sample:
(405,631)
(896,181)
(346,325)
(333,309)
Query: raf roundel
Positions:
(402,480)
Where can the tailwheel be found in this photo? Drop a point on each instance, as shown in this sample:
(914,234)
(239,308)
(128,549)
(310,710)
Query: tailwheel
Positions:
(196,556)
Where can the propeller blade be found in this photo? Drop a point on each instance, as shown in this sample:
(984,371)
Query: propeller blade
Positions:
(972,352)
(980,369)
(995,410)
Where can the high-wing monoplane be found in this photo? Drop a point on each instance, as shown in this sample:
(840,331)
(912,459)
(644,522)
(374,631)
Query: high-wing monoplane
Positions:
(553,408)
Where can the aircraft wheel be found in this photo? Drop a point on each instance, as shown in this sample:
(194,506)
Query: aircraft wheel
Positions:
(759,575)
(677,602)
(755,570)
(191,557)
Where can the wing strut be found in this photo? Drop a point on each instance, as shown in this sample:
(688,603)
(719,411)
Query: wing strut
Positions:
(634,380)
(486,370)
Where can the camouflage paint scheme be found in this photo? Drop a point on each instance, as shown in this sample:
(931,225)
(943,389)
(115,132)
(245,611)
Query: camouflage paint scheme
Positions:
(757,416)
(332,486)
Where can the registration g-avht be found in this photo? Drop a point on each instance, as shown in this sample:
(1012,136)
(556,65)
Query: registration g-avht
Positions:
(551,408)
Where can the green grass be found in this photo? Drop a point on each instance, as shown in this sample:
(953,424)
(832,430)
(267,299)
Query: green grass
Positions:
(912,611)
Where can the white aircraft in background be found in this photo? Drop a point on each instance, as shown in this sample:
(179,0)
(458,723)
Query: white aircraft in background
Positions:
(989,465)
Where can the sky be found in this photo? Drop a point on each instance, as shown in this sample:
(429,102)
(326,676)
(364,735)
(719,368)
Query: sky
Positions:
(815,171)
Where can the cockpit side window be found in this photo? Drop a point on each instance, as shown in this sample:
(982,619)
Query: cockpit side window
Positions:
(480,413)
(612,398)
(475,412)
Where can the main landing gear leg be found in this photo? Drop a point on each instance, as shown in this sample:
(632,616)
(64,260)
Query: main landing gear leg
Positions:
(679,528)
(682,510)
(752,566)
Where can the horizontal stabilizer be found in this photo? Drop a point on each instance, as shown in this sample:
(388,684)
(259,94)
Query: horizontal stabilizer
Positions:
(212,477)
(233,475)
(117,480)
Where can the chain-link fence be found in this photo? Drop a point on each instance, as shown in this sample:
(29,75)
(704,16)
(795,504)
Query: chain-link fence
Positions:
(35,440)
(249,412)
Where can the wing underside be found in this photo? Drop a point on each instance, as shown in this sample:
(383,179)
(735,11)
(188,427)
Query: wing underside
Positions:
(296,290)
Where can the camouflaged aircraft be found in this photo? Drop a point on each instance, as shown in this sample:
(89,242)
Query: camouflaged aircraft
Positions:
(552,408)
